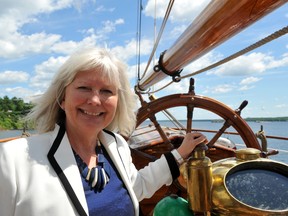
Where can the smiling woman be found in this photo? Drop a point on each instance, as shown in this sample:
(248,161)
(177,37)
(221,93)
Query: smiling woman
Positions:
(90,102)
(79,156)
(75,74)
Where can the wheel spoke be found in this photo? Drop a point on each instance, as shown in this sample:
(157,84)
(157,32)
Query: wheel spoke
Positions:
(164,137)
(190,109)
(226,125)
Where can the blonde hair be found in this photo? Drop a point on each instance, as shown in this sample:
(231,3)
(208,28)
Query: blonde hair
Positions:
(47,111)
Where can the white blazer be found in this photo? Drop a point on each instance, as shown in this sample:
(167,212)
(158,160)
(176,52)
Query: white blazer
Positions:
(39,175)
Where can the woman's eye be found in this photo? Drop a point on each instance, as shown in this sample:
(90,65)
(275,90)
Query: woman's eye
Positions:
(84,88)
(106,91)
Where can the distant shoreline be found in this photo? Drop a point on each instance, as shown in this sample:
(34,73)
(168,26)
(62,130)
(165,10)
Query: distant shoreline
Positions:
(248,119)
(267,119)
(259,119)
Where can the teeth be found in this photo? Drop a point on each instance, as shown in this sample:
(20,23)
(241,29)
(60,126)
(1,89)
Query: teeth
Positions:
(90,113)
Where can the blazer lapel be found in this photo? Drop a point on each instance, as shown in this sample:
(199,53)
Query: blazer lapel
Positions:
(109,141)
(110,144)
(62,160)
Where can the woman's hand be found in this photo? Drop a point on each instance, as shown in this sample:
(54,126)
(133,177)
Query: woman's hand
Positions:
(191,140)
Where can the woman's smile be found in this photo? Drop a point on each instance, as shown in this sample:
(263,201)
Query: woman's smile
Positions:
(91,113)
(90,103)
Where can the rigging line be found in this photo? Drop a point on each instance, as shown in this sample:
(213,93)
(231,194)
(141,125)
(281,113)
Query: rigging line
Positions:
(173,120)
(157,90)
(169,115)
(155,28)
(171,2)
(265,40)
(138,37)
(155,32)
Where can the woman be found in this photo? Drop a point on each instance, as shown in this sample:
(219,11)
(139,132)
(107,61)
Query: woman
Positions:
(78,164)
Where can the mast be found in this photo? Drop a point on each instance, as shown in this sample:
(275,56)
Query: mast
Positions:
(218,22)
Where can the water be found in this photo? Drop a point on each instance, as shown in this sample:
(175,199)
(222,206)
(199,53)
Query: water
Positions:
(271,129)
(279,129)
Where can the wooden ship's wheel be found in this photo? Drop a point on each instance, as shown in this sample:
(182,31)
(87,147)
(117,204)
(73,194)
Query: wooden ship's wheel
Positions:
(166,141)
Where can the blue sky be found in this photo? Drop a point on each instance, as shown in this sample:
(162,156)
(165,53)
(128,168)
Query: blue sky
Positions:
(38,36)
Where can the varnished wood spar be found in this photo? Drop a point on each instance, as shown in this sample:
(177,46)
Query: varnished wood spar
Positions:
(219,21)
(8,139)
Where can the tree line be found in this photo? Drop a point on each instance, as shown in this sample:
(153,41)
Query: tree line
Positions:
(12,111)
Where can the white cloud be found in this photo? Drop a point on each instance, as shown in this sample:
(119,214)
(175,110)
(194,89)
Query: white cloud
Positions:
(68,47)
(243,65)
(245,87)
(25,93)
(254,63)
(101,8)
(133,70)
(19,45)
(8,77)
(30,7)
(65,47)
(128,51)
(203,62)
(219,89)
(15,14)
(274,63)
(45,72)
(16,44)
(109,26)
(249,80)
(182,11)
(182,86)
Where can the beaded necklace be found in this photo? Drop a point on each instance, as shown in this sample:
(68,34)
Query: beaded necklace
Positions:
(96,177)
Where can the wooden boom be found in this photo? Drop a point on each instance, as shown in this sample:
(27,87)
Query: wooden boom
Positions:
(219,21)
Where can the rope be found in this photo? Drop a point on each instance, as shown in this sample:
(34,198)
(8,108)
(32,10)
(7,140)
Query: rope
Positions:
(171,2)
(138,37)
(157,90)
(263,41)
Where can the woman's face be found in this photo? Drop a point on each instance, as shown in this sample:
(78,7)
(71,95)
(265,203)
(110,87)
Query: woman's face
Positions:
(90,103)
